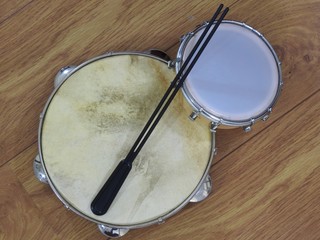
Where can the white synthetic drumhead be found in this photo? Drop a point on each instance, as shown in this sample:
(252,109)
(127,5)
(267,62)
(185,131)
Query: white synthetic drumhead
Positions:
(236,77)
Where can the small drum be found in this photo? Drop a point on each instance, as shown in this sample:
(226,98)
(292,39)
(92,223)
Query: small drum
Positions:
(236,80)
(90,123)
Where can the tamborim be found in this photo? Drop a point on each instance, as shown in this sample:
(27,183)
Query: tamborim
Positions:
(236,80)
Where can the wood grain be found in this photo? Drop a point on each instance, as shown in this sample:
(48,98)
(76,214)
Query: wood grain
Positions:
(9,8)
(19,218)
(266,183)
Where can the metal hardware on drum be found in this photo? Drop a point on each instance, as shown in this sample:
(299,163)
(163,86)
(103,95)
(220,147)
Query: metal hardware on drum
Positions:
(67,207)
(62,75)
(172,63)
(214,126)
(266,117)
(112,232)
(159,53)
(204,191)
(38,170)
(110,189)
(193,116)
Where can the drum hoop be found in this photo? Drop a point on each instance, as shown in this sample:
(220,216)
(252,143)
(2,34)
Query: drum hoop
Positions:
(69,205)
(201,109)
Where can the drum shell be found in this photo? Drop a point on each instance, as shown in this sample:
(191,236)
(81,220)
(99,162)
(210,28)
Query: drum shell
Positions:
(51,183)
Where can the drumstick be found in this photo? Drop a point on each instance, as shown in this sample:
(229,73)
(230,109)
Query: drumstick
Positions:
(108,192)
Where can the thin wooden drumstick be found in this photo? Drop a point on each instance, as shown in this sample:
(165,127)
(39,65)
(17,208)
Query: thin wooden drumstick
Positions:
(108,192)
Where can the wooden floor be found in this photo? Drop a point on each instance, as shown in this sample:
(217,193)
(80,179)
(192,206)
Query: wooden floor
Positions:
(266,182)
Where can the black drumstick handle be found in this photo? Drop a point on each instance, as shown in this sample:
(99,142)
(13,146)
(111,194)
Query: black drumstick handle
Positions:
(110,189)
